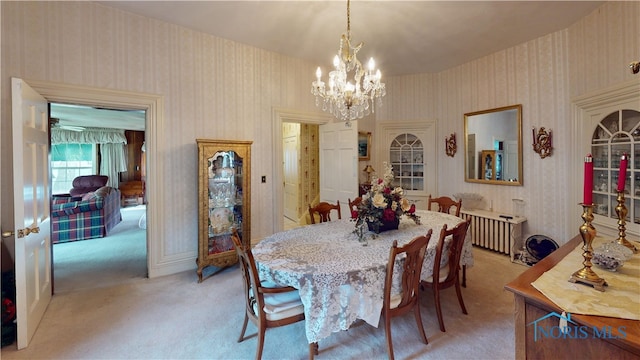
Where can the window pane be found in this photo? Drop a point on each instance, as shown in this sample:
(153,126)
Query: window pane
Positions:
(69,161)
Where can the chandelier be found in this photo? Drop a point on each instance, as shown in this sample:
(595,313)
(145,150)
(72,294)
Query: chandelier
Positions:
(349,99)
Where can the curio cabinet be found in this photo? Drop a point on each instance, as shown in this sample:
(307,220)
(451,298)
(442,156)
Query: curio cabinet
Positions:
(224,191)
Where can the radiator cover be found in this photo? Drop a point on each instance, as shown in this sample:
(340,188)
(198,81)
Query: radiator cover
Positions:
(491,231)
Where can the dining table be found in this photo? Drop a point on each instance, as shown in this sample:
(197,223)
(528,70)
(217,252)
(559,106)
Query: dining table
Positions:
(341,279)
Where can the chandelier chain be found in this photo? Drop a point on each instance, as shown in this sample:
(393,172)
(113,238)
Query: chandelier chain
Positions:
(348,19)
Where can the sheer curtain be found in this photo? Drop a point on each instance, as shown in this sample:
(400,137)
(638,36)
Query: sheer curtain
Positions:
(112,162)
(112,148)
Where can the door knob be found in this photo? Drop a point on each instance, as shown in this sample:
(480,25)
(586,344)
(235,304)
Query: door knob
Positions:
(6,234)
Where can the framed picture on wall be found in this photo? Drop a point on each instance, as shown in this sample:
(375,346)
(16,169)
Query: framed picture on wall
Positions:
(364,145)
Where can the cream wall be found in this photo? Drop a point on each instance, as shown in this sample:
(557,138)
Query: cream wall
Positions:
(543,75)
(214,88)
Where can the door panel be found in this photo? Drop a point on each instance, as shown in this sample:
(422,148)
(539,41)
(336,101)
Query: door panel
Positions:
(339,163)
(291,181)
(31,208)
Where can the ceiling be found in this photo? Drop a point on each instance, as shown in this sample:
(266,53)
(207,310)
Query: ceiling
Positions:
(404,37)
(77,117)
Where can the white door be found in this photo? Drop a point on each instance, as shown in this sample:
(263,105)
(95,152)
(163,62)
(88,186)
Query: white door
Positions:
(510,167)
(290,147)
(31,208)
(339,164)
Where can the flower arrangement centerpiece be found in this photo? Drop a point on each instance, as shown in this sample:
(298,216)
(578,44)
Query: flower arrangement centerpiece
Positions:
(383,205)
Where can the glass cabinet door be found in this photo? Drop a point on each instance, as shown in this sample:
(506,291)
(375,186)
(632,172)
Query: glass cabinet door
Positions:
(617,133)
(407,158)
(225,200)
(224,190)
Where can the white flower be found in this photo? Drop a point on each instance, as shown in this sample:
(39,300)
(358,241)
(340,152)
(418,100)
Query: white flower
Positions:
(404,203)
(398,190)
(379,201)
(394,205)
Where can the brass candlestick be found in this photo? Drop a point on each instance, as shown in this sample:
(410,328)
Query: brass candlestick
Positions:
(588,233)
(621,210)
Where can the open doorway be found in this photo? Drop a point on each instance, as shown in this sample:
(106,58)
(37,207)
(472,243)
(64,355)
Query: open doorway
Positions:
(281,116)
(301,170)
(338,165)
(121,255)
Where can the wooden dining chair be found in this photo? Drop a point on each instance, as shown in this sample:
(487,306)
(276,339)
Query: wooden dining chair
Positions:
(408,298)
(267,305)
(448,275)
(353,206)
(445,204)
(323,209)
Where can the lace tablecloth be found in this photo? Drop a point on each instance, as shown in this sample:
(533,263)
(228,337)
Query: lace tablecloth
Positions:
(338,278)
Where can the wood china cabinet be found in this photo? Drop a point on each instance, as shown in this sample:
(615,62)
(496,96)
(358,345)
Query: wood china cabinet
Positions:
(224,194)
(490,165)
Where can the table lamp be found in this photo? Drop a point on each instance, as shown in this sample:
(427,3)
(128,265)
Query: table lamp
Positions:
(369,169)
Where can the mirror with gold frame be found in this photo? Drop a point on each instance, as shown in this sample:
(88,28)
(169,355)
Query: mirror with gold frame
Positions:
(493,146)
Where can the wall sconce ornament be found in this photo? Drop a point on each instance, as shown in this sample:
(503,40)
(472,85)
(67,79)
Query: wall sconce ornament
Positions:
(635,67)
(450,146)
(542,142)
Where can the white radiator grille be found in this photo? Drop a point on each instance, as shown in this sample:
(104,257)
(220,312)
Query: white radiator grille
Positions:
(490,231)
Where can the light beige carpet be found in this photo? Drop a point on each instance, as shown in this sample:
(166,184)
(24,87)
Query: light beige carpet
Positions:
(174,317)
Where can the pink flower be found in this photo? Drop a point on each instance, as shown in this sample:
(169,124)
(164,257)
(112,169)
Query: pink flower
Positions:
(412,209)
(354,214)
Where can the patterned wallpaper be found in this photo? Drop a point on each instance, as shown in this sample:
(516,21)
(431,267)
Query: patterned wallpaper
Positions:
(215,88)
(212,88)
(309,166)
(543,75)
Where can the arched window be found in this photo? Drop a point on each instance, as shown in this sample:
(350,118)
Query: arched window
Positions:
(407,158)
(616,134)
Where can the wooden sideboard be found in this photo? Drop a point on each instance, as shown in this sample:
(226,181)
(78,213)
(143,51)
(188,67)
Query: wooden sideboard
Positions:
(531,305)
(133,191)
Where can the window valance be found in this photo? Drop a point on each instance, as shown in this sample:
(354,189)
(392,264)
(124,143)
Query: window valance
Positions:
(88,136)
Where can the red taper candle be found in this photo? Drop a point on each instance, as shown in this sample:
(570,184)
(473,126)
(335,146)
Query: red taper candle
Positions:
(588,180)
(622,174)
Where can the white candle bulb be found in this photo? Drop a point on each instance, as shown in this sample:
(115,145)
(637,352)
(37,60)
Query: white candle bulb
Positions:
(349,87)
(372,64)
(318,73)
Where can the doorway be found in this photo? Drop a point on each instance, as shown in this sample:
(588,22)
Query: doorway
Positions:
(121,255)
(153,105)
(281,116)
(291,169)
(301,170)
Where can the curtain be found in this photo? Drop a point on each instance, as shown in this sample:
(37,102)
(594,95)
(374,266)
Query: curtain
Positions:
(113,162)
(88,136)
(112,148)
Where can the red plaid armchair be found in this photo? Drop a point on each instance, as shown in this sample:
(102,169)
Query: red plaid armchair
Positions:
(91,218)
